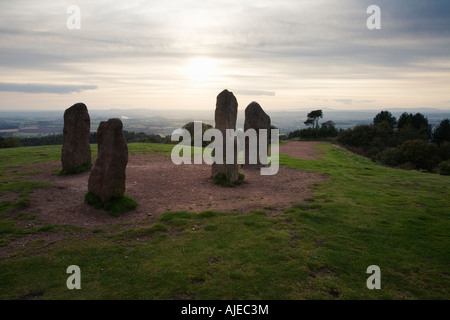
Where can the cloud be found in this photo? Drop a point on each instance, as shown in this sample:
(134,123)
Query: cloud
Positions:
(296,49)
(245,92)
(44,88)
(344,101)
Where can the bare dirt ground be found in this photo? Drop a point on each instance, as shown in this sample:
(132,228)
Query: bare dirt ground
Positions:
(158,186)
(301,150)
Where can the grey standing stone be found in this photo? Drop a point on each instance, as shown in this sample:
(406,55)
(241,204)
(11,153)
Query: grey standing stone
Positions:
(107,179)
(76,151)
(256,118)
(225,118)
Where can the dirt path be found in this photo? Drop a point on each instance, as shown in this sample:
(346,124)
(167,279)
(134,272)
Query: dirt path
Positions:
(301,149)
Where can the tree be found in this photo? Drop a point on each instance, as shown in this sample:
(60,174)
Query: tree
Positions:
(328,129)
(419,154)
(367,138)
(328,124)
(313,118)
(412,127)
(9,142)
(385,119)
(441,133)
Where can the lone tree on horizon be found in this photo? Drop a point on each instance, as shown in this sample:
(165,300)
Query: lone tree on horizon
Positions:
(313,118)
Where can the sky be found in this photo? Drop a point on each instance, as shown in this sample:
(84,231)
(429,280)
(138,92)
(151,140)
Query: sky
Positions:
(174,54)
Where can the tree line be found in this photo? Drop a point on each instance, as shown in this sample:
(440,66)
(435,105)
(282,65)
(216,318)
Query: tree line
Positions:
(407,142)
(326,130)
(57,139)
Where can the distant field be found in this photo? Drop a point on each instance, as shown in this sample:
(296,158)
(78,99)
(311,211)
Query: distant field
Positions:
(365,214)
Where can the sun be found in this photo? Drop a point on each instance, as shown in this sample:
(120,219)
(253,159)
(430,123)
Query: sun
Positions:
(202,69)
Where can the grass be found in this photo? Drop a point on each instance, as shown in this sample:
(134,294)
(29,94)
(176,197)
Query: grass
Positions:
(365,214)
(80,169)
(114,207)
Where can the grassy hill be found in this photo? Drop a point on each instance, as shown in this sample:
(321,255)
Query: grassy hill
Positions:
(365,214)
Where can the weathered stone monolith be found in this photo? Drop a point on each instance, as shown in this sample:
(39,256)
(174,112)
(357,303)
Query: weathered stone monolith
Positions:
(107,179)
(257,119)
(76,151)
(225,118)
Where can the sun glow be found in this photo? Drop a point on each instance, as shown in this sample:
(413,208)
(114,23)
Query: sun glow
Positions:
(202,69)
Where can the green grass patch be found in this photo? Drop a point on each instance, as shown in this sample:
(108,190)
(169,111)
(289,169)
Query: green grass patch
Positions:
(141,232)
(77,170)
(7,226)
(114,207)
(48,228)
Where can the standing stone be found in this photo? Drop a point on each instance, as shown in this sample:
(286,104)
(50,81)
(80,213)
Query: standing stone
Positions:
(107,179)
(225,118)
(76,151)
(256,118)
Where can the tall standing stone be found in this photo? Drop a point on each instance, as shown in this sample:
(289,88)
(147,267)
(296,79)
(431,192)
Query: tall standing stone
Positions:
(225,118)
(257,119)
(107,179)
(76,151)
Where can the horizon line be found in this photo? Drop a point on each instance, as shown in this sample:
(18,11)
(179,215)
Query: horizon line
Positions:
(212,109)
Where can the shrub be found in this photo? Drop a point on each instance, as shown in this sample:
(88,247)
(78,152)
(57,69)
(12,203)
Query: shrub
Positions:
(359,136)
(190,127)
(389,157)
(294,134)
(327,130)
(421,154)
(371,139)
(9,142)
(386,120)
(441,132)
(413,126)
(444,168)
(445,150)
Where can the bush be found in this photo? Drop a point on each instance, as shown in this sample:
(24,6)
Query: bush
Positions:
(294,134)
(142,137)
(389,157)
(327,130)
(190,127)
(371,139)
(442,132)
(444,168)
(413,126)
(420,154)
(9,142)
(361,136)
(445,150)
(386,120)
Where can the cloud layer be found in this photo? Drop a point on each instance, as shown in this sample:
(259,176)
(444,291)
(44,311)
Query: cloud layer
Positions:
(44,88)
(134,52)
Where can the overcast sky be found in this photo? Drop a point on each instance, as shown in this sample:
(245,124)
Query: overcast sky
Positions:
(174,54)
